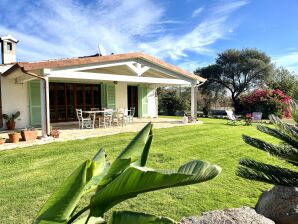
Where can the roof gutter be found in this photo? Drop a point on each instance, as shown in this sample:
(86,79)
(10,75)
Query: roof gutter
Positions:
(47,128)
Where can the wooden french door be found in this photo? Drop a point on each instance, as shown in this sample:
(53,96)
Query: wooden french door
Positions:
(132,97)
(65,98)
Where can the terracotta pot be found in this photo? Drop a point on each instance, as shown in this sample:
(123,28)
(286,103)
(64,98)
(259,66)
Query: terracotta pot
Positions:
(10,125)
(29,135)
(14,137)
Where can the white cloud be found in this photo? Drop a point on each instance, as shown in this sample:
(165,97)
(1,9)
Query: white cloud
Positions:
(53,29)
(57,29)
(290,61)
(197,12)
(198,40)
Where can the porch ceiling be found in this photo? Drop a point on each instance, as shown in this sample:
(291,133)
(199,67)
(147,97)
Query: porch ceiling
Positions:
(131,67)
(124,71)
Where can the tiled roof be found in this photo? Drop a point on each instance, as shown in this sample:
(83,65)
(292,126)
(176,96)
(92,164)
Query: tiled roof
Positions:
(28,66)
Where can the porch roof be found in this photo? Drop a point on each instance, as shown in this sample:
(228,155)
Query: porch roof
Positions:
(130,59)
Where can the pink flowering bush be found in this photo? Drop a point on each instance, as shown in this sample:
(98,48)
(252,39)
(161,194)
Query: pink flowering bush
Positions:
(267,101)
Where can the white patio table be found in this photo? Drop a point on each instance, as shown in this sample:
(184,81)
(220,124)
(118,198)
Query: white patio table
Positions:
(93,114)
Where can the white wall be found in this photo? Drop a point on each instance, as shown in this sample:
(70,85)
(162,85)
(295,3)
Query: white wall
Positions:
(15,97)
(121,95)
(152,102)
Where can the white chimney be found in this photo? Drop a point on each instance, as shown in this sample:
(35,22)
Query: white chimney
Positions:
(8,49)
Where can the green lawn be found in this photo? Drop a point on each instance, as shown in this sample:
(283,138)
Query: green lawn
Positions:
(29,175)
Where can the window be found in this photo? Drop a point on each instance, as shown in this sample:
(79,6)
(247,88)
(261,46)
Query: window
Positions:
(9,46)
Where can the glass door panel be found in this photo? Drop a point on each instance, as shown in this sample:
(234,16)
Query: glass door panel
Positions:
(70,102)
(132,98)
(88,97)
(60,106)
(96,96)
(79,92)
(52,102)
(66,97)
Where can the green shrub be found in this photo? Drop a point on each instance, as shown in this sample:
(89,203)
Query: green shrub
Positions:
(268,102)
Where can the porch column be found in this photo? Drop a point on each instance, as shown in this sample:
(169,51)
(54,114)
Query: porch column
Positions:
(45,115)
(193,101)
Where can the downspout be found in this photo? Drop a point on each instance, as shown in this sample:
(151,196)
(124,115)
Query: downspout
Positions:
(46,95)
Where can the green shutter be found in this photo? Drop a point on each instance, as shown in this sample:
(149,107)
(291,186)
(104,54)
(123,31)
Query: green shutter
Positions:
(110,96)
(103,95)
(35,103)
(143,101)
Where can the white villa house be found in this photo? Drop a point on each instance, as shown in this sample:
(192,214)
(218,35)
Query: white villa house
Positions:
(49,91)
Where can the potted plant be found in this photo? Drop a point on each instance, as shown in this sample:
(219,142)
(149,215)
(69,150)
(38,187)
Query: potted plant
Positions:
(55,133)
(10,120)
(29,134)
(248,119)
(14,137)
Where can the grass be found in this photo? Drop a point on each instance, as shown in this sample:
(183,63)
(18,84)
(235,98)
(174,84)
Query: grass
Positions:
(30,175)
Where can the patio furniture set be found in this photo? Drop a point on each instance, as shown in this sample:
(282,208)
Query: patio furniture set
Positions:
(104,118)
(248,119)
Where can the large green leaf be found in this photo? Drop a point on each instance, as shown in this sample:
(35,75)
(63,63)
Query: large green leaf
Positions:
(114,170)
(137,149)
(136,153)
(200,171)
(101,168)
(126,217)
(59,207)
(136,180)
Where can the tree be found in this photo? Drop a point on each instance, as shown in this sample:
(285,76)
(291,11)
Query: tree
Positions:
(171,100)
(288,151)
(237,71)
(284,80)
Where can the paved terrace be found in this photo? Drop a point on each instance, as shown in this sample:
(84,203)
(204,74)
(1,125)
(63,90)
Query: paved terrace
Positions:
(70,131)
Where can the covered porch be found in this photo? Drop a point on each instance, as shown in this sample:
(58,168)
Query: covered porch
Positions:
(57,88)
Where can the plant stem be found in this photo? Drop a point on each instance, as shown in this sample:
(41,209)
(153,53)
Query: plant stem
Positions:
(77,215)
(87,219)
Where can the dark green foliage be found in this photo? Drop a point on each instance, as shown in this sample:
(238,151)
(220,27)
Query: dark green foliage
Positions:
(237,71)
(287,150)
(284,80)
(12,117)
(267,173)
(173,100)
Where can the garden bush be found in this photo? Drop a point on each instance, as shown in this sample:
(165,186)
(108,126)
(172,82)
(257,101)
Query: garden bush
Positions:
(268,102)
(169,102)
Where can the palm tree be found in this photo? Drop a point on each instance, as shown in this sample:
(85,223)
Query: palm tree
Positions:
(287,150)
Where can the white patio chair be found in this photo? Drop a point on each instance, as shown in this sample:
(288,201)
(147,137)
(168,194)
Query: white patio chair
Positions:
(106,119)
(231,117)
(119,118)
(131,114)
(257,116)
(83,122)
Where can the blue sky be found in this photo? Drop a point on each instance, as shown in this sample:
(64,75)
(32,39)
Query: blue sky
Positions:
(187,33)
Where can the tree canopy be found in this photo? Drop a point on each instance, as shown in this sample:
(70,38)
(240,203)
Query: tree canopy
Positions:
(237,71)
(284,80)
